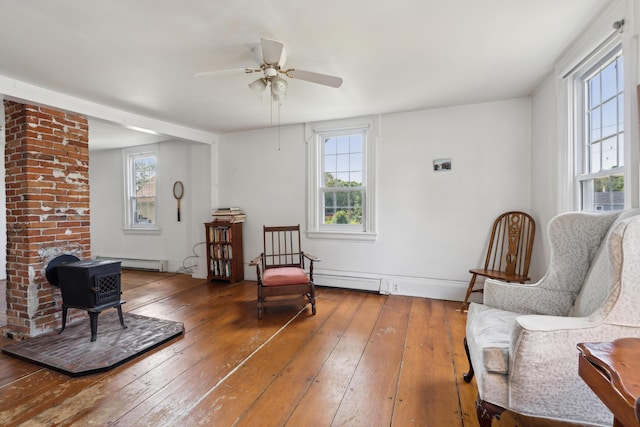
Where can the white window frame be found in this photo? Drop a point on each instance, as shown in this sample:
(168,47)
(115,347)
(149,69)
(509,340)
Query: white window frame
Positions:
(599,40)
(609,51)
(129,155)
(315,135)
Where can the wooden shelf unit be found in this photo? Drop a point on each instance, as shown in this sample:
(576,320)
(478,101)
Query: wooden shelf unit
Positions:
(224,251)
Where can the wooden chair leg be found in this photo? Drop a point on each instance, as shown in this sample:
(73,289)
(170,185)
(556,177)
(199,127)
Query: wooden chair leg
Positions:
(468,376)
(486,412)
(465,303)
(312,299)
(260,303)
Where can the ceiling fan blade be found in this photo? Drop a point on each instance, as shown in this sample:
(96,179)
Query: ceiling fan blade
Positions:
(273,52)
(312,77)
(209,73)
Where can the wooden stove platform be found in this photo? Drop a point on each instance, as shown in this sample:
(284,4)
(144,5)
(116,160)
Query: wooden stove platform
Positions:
(74,354)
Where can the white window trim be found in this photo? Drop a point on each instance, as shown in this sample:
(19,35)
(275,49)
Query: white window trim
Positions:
(568,68)
(315,228)
(129,227)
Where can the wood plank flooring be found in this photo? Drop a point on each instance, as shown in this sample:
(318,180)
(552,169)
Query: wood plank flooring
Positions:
(364,360)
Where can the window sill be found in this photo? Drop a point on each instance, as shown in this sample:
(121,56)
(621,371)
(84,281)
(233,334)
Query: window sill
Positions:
(149,230)
(341,235)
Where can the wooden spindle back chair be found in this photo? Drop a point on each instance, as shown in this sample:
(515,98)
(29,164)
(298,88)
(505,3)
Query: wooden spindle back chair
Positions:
(281,268)
(509,251)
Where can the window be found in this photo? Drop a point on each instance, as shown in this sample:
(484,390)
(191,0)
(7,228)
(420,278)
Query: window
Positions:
(601,151)
(597,164)
(341,187)
(341,181)
(141,167)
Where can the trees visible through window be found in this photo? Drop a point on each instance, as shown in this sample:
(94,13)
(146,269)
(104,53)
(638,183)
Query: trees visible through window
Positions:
(342,189)
(341,181)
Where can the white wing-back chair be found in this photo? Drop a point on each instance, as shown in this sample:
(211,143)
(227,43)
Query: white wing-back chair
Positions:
(522,341)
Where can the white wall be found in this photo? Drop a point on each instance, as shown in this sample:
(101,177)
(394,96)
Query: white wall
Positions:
(177,160)
(432,226)
(545,155)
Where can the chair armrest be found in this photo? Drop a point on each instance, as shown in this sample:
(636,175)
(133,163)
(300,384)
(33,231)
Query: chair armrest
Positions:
(533,323)
(310,257)
(527,298)
(256,261)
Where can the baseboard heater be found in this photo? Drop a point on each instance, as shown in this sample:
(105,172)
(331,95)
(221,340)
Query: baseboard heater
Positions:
(139,264)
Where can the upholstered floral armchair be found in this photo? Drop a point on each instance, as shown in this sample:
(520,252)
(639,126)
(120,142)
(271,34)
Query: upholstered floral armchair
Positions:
(522,341)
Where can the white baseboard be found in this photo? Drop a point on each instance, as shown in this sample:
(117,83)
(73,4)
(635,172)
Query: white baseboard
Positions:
(347,282)
(140,264)
(424,287)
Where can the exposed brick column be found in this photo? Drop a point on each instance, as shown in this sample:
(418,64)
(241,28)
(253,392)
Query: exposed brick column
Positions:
(47,189)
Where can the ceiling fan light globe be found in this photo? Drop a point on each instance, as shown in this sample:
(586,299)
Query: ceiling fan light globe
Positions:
(279,86)
(258,86)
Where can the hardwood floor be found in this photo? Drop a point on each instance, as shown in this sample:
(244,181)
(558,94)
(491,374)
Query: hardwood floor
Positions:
(364,360)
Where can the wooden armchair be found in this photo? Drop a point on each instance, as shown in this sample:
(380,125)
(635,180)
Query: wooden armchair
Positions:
(509,251)
(281,268)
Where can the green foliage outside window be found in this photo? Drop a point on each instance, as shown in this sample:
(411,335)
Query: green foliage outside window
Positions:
(342,207)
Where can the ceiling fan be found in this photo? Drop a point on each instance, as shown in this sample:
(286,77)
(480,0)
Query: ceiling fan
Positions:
(273,59)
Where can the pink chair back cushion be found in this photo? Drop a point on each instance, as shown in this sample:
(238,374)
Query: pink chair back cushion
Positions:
(284,276)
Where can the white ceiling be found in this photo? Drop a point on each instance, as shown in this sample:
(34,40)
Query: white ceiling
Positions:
(140,56)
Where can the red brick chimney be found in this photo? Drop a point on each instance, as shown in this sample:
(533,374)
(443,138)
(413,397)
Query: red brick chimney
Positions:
(47,193)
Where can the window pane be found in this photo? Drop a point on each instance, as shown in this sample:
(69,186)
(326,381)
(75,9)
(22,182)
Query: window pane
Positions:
(343,207)
(356,178)
(329,180)
(621,112)
(330,146)
(609,153)
(603,194)
(621,150)
(355,162)
(145,173)
(609,118)
(594,91)
(595,158)
(343,144)
(620,69)
(144,210)
(342,179)
(609,77)
(355,144)
(330,163)
(594,121)
(329,205)
(342,162)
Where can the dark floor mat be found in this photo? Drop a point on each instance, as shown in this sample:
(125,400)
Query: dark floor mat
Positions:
(74,354)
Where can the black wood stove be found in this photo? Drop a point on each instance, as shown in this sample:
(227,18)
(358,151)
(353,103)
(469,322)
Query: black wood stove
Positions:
(91,285)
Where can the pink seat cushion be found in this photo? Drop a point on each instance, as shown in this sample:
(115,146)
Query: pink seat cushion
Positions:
(284,276)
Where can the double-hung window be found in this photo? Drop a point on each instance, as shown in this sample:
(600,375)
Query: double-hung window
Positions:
(598,162)
(341,188)
(600,177)
(341,179)
(141,169)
